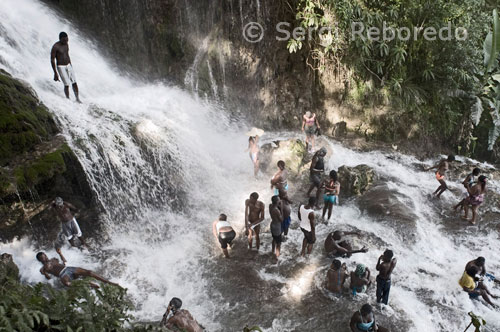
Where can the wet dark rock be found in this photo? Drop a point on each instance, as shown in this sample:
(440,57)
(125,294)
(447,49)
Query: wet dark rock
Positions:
(355,181)
(8,269)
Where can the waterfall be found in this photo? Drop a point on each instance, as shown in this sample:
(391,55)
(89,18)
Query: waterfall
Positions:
(164,165)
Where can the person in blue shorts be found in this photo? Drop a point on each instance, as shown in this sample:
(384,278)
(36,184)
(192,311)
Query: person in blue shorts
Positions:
(331,195)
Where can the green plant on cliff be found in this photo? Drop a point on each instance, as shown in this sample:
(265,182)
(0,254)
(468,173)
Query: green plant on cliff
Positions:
(431,84)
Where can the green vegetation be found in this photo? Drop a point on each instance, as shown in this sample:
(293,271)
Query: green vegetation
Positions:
(24,122)
(428,88)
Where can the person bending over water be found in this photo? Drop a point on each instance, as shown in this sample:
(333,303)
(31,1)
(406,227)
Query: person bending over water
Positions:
(60,53)
(276,225)
(307,225)
(316,170)
(336,277)
(364,320)
(360,279)
(223,232)
(385,265)
(470,284)
(336,247)
(468,182)
(70,227)
(331,196)
(442,167)
(476,198)
(178,319)
(254,215)
(67,273)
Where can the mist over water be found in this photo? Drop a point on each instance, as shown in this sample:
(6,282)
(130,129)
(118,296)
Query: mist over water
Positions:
(164,165)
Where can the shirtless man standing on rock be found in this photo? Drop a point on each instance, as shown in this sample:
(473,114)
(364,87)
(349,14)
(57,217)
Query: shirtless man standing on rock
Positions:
(385,265)
(254,215)
(60,53)
(66,273)
(70,227)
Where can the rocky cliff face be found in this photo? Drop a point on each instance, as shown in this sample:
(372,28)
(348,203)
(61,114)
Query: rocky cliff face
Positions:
(36,165)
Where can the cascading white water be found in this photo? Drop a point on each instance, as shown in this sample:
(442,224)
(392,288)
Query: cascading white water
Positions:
(139,142)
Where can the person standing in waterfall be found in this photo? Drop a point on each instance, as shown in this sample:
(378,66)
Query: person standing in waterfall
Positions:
(331,196)
(286,211)
(63,69)
(476,198)
(309,125)
(307,226)
(276,224)
(442,167)
(279,180)
(316,170)
(469,181)
(385,265)
(254,216)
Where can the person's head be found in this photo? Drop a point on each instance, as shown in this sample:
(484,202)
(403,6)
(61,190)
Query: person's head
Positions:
(360,270)
(175,304)
(312,201)
(367,312)
(63,37)
(333,175)
(451,158)
(59,202)
(222,217)
(308,114)
(482,181)
(254,197)
(322,152)
(337,235)
(480,261)
(275,199)
(476,171)
(42,257)
(336,264)
(281,164)
(388,254)
(471,271)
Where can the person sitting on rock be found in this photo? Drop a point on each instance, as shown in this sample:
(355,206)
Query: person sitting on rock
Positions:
(476,198)
(67,273)
(360,279)
(336,247)
(364,320)
(70,228)
(336,277)
(279,180)
(223,232)
(468,182)
(179,319)
(442,167)
(331,196)
(316,171)
(480,264)
(475,288)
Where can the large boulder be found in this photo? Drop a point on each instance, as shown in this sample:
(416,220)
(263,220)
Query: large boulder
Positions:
(8,269)
(292,152)
(355,181)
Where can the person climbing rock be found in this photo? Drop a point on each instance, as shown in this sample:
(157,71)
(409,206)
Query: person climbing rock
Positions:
(442,167)
(468,182)
(474,287)
(335,246)
(178,319)
(64,68)
(385,265)
(276,224)
(254,216)
(364,320)
(360,279)
(331,195)
(475,199)
(67,273)
(279,180)
(224,233)
(310,125)
(70,228)
(315,172)
(307,225)
(336,277)
(253,148)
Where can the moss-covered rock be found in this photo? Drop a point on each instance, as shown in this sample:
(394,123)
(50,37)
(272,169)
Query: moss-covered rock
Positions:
(8,269)
(355,181)
(292,152)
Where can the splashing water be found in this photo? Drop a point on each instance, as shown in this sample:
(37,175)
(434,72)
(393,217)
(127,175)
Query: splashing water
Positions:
(150,151)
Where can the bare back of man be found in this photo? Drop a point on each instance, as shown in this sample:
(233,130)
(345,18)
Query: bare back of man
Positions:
(182,320)
(336,279)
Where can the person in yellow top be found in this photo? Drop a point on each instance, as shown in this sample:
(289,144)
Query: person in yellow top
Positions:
(469,285)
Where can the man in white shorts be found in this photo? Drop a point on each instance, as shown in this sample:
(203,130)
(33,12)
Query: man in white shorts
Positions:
(70,228)
(60,53)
